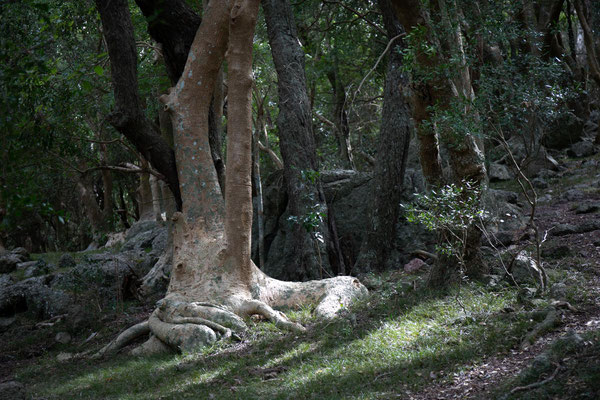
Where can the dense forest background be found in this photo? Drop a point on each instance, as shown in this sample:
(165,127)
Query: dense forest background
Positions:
(69,177)
(428,150)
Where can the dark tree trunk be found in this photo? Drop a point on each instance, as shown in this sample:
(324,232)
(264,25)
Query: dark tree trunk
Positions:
(173,24)
(305,195)
(392,152)
(340,115)
(128,116)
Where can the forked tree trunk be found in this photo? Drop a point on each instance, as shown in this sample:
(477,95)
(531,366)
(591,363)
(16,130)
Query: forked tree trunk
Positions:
(214,283)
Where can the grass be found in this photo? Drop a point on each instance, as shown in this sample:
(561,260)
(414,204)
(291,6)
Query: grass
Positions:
(398,340)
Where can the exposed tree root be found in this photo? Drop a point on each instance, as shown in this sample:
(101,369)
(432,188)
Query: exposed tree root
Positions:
(178,324)
(537,384)
(123,339)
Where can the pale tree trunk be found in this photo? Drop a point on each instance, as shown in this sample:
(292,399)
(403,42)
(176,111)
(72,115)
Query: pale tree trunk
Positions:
(174,28)
(392,153)
(307,254)
(144,195)
(214,283)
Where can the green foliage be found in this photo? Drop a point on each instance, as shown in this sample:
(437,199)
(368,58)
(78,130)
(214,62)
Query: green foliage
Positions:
(403,341)
(449,212)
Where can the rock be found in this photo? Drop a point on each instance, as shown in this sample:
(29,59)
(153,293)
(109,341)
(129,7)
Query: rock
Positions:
(581,149)
(525,269)
(159,244)
(556,251)
(414,265)
(542,162)
(141,236)
(63,337)
(558,290)
(64,357)
(66,261)
(545,198)
(569,229)
(24,265)
(539,183)
(587,208)
(573,195)
(563,229)
(34,295)
(115,239)
(39,268)
(6,280)
(10,259)
(140,227)
(499,172)
(547,174)
(564,131)
(155,282)
(22,251)
(6,322)
(12,390)
(505,196)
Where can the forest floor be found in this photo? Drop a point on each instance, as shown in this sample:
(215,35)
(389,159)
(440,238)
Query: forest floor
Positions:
(404,341)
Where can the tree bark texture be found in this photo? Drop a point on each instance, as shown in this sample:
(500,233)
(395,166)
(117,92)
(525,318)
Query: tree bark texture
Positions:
(173,24)
(128,115)
(297,145)
(466,154)
(214,283)
(392,150)
(437,94)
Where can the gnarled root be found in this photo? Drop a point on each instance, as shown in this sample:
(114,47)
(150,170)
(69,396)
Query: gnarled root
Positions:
(183,325)
(252,307)
(123,339)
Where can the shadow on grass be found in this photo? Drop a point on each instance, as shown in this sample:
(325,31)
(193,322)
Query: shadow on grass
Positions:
(394,344)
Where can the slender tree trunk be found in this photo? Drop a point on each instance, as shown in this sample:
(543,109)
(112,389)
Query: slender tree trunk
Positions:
(123,209)
(305,195)
(438,93)
(392,151)
(107,186)
(340,115)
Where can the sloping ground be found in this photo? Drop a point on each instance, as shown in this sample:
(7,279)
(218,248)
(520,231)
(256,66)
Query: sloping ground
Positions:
(404,341)
(568,216)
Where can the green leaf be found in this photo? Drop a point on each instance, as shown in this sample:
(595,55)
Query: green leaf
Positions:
(99,70)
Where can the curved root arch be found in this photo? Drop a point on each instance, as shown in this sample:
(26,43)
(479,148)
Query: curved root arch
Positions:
(183,325)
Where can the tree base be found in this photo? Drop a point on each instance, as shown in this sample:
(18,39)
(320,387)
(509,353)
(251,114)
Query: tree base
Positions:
(179,324)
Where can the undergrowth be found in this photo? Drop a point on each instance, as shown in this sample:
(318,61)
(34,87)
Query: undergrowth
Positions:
(396,341)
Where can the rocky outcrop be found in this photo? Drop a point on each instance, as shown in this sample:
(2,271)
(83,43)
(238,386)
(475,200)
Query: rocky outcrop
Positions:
(10,259)
(100,279)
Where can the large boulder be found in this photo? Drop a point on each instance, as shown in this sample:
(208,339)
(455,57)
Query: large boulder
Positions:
(564,131)
(10,259)
(499,172)
(36,296)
